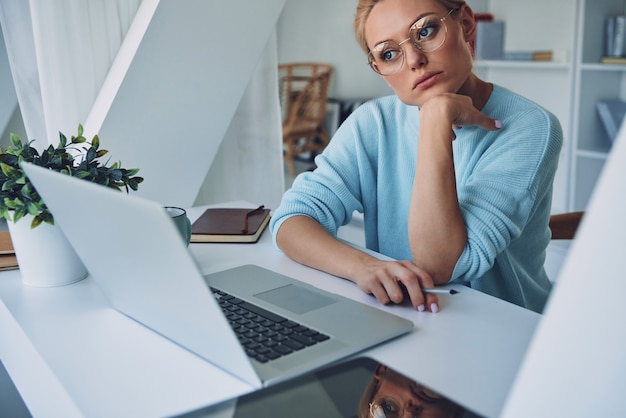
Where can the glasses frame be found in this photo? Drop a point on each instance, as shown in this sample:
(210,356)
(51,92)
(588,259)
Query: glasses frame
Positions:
(416,44)
(373,404)
(431,403)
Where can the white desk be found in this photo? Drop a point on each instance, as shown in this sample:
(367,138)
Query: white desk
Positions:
(70,354)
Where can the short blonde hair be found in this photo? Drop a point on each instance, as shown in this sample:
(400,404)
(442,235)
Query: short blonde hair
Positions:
(364,8)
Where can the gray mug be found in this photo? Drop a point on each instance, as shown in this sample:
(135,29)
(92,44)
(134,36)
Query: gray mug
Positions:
(182,222)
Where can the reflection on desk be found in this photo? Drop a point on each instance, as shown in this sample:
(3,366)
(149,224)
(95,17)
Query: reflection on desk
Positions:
(360,387)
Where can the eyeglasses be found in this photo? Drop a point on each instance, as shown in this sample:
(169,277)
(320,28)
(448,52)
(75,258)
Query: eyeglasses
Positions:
(387,407)
(426,34)
(385,410)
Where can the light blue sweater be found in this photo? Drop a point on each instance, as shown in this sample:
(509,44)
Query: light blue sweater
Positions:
(504,185)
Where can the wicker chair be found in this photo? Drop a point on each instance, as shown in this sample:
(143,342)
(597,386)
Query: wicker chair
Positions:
(303,95)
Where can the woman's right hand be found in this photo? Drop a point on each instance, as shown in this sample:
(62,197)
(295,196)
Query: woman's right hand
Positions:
(393,281)
(388,281)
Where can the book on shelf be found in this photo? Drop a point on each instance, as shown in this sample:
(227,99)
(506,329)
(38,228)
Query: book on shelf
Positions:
(489,42)
(542,56)
(238,225)
(8,261)
(613,60)
(611,113)
(615,36)
(528,55)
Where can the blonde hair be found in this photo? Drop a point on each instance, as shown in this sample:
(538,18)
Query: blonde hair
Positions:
(366,398)
(364,8)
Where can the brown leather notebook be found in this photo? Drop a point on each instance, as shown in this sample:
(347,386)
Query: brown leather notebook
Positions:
(7,253)
(230,225)
(6,245)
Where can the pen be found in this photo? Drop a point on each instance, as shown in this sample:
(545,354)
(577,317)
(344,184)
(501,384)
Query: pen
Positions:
(441,291)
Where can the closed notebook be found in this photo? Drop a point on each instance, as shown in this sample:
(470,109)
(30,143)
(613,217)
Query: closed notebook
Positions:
(8,261)
(230,225)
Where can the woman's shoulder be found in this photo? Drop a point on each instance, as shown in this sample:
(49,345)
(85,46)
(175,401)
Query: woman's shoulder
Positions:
(518,113)
(505,103)
(502,96)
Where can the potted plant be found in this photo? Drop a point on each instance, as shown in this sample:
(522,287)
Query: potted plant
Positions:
(30,222)
(80,158)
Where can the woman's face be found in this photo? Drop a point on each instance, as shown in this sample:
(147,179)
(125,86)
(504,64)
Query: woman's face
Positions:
(398,396)
(423,74)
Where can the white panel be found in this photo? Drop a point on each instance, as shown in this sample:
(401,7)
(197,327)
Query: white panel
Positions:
(249,164)
(576,366)
(182,88)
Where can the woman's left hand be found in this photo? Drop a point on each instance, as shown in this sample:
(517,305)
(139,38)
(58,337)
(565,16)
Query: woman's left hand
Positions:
(459,110)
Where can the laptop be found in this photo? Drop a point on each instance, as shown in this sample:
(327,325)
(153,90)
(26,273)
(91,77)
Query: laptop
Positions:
(133,251)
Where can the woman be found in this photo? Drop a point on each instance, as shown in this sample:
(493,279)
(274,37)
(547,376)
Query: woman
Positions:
(392,395)
(453,174)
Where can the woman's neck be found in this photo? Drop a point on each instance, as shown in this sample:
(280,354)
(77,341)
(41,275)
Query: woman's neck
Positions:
(477,89)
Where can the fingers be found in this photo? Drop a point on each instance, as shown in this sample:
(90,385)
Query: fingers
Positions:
(462,112)
(491,124)
(385,287)
(472,116)
(414,283)
(395,281)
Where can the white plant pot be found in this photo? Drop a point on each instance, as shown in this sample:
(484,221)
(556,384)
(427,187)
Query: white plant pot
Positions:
(45,256)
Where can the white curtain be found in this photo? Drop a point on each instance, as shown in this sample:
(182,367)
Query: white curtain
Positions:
(20,46)
(60,53)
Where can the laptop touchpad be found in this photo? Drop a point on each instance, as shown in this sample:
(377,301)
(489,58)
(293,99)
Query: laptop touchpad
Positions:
(296,299)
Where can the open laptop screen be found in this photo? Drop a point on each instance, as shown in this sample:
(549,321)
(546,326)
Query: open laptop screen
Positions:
(360,388)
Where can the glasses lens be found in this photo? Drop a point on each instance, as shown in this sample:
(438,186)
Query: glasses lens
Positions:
(428,33)
(386,58)
(385,408)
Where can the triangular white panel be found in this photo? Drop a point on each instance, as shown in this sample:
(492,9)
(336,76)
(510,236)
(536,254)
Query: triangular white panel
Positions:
(180,89)
(576,363)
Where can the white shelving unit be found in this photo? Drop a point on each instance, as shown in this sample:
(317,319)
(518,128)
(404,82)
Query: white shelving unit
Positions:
(593,81)
(569,87)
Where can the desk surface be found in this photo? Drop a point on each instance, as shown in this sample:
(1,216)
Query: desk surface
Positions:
(70,354)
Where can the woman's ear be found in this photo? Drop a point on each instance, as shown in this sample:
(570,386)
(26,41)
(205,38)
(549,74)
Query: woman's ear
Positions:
(468,23)
(380,371)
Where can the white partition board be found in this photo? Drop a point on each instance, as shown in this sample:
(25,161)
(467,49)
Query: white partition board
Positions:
(576,363)
(175,87)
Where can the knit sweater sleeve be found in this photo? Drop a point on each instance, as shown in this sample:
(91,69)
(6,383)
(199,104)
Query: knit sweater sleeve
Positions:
(504,182)
(332,193)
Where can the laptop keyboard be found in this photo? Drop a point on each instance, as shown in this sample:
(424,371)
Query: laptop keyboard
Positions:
(264,335)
